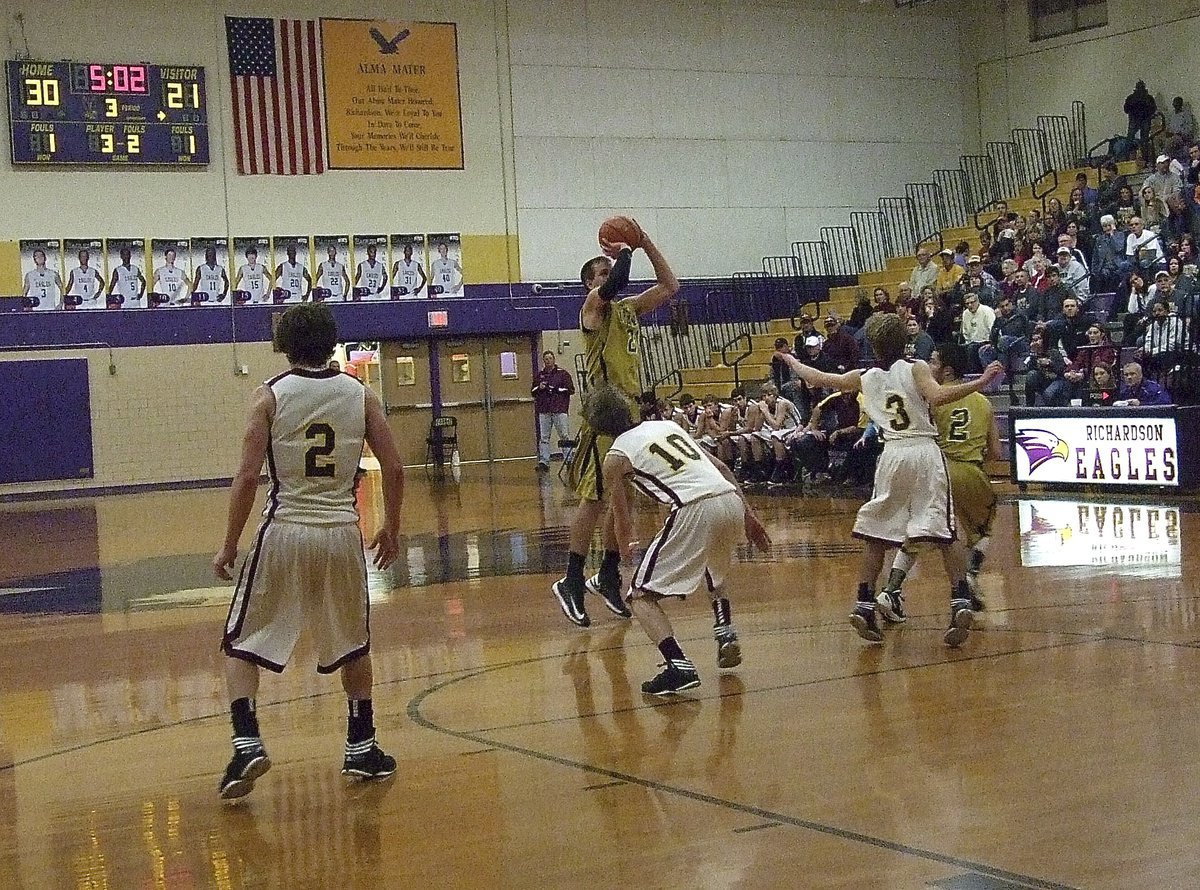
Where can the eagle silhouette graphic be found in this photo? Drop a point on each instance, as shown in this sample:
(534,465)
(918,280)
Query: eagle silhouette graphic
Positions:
(388,47)
(1041,446)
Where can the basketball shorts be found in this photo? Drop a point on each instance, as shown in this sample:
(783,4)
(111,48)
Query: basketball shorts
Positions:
(911,500)
(694,547)
(298,576)
(586,469)
(974,500)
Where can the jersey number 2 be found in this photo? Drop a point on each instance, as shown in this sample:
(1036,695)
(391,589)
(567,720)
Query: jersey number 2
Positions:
(316,462)
(959,418)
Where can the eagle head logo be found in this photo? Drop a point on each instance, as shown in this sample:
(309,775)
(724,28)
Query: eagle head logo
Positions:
(1042,446)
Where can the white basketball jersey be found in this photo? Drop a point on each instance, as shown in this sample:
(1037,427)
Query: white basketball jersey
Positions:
(41,284)
(254,281)
(212,282)
(667,465)
(333,276)
(371,275)
(316,441)
(128,285)
(170,282)
(443,274)
(892,401)
(291,279)
(86,284)
(409,274)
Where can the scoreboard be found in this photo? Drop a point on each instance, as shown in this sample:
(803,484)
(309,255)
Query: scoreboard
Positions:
(101,113)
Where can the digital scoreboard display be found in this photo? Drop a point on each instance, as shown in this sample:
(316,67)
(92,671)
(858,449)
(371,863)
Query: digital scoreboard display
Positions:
(93,113)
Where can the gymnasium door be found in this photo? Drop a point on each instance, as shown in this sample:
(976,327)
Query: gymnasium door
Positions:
(407,395)
(485,383)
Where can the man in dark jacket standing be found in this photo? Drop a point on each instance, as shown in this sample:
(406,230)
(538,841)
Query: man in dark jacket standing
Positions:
(1140,106)
(552,391)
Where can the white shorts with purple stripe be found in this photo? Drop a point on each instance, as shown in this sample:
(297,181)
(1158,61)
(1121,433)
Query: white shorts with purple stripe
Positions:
(694,547)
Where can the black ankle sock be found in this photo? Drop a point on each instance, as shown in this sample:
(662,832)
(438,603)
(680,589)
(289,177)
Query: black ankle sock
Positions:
(610,565)
(722,614)
(670,650)
(245,721)
(896,579)
(865,593)
(360,725)
(976,561)
(960,591)
(575,568)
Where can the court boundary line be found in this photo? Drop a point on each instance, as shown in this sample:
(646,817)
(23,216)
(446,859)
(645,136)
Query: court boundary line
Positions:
(414,713)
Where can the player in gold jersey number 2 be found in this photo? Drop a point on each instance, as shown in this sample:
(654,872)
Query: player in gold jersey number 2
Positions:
(612,356)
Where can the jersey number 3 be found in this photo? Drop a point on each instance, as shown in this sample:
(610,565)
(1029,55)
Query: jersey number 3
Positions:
(316,457)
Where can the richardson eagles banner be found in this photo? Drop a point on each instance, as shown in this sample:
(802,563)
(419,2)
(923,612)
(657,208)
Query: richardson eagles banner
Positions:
(1101,451)
(392,95)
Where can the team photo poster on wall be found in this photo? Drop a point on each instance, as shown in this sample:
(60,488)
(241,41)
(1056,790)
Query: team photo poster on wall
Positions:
(163,273)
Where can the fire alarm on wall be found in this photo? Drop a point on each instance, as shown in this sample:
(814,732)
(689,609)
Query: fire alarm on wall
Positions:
(439,318)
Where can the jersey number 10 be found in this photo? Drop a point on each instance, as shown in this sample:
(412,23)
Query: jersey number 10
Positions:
(680,446)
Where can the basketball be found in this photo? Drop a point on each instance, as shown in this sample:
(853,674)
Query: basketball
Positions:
(620,230)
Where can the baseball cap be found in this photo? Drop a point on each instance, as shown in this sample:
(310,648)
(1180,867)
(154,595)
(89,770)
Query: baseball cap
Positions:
(804,316)
(974,259)
(945,251)
(812,341)
(1162,159)
(831,319)
(1066,250)
(1161,273)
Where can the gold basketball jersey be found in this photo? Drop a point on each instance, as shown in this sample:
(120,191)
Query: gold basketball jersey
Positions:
(612,353)
(963,427)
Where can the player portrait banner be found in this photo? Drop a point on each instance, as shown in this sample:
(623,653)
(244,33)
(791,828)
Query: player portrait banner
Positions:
(278,106)
(289,269)
(445,265)
(86,276)
(332,278)
(251,270)
(41,274)
(171,260)
(409,278)
(392,95)
(210,280)
(370,280)
(127,286)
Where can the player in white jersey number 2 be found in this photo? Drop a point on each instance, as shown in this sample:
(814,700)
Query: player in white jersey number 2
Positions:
(307,565)
(695,546)
(911,501)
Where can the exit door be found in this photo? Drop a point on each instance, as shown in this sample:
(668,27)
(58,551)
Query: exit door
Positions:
(486,384)
(406,383)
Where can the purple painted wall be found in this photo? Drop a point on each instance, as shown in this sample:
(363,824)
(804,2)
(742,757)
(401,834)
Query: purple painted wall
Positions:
(45,421)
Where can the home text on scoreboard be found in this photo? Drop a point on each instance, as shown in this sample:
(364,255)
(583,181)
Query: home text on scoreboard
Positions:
(104,113)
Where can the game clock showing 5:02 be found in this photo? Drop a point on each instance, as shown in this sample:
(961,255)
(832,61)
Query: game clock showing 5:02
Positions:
(93,113)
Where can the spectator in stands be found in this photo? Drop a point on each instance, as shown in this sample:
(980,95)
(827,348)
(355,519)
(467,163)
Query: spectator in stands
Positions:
(1008,342)
(950,273)
(976,328)
(928,305)
(1090,195)
(1137,390)
(834,418)
(1055,219)
(1180,122)
(1067,240)
(975,267)
(962,250)
(1166,183)
(806,397)
(1039,255)
(943,322)
(1126,209)
(1080,242)
(924,272)
(1111,183)
(781,374)
(1164,281)
(1154,210)
(1191,170)
(1110,265)
(1022,293)
(1044,384)
(1072,273)
(1144,248)
(1137,310)
(1098,350)
(862,310)
(1103,387)
(841,349)
(882,301)
(1035,227)
(986,290)
(1163,341)
(920,344)
(1050,301)
(1079,212)
(1187,250)
(808,328)
(1068,331)
(1140,106)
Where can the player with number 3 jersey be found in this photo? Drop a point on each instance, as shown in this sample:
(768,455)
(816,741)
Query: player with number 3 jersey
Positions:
(911,501)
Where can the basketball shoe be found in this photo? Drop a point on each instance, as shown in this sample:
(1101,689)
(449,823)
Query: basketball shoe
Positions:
(677,675)
(729,650)
(610,591)
(891,606)
(366,760)
(570,601)
(248,764)
(961,619)
(864,622)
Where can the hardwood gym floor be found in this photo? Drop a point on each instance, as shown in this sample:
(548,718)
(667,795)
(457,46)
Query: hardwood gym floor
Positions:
(1054,750)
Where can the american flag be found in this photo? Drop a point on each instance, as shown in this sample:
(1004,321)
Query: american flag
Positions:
(278,104)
